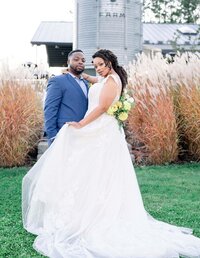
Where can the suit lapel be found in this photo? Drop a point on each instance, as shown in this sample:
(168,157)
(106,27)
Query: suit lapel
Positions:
(87,86)
(76,85)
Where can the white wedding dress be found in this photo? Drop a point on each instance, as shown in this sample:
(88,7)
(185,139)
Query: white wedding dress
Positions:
(82,199)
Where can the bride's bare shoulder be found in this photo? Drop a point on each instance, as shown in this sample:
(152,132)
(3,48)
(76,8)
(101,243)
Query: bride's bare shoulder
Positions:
(114,79)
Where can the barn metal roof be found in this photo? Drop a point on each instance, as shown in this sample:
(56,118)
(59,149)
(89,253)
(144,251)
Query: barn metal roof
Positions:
(164,33)
(50,32)
(58,37)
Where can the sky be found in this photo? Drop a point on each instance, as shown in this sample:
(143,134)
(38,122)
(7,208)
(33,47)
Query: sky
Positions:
(19,21)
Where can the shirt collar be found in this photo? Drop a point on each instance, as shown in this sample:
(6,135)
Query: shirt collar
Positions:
(76,78)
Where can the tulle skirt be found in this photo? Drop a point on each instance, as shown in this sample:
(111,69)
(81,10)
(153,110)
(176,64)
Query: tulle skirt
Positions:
(82,200)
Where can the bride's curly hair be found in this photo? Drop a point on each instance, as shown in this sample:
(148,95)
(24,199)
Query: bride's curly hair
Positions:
(109,57)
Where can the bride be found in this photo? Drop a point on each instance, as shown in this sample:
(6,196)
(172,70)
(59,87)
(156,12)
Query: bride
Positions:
(82,198)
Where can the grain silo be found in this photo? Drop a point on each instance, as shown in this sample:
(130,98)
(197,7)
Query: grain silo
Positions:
(111,24)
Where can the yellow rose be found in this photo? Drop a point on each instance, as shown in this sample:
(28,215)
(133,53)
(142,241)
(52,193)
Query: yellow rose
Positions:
(114,107)
(123,116)
(127,105)
(110,111)
(119,104)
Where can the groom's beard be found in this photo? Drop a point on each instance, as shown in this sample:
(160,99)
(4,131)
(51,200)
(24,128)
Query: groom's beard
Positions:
(76,71)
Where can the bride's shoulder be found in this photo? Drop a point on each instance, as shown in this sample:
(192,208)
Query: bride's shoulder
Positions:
(115,78)
(100,79)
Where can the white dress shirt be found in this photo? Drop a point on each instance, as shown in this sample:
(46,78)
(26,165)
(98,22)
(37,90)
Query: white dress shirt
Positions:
(80,83)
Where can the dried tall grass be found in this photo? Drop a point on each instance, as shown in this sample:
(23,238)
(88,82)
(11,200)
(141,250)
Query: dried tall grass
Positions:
(21,119)
(185,74)
(165,122)
(152,121)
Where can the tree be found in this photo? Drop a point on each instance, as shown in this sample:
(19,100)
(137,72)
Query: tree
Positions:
(190,10)
(168,11)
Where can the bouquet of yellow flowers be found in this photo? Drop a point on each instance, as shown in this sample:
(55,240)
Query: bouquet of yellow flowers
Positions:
(121,108)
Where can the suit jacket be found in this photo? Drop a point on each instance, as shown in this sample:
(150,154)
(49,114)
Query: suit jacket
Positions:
(65,101)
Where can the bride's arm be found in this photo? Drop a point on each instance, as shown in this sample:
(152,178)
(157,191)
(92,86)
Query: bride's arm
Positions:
(90,78)
(106,99)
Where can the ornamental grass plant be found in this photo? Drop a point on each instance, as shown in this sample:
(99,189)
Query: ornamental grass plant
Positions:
(21,117)
(185,74)
(165,123)
(152,122)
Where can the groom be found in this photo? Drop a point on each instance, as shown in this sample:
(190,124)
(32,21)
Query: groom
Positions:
(66,98)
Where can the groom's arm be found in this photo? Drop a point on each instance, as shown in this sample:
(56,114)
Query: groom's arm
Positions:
(51,107)
(90,78)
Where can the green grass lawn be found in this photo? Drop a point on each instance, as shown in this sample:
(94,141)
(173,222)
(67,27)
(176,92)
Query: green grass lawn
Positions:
(170,193)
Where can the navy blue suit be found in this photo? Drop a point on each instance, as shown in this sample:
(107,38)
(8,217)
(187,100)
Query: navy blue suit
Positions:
(65,101)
